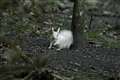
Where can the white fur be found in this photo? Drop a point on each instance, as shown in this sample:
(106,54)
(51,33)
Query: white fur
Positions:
(63,38)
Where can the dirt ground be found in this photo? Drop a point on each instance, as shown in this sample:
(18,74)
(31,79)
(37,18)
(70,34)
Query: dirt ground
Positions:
(103,61)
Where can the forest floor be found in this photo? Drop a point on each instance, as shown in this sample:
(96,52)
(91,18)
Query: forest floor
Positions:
(32,31)
(91,60)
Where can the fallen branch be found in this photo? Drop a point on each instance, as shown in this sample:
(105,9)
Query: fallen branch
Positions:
(61,78)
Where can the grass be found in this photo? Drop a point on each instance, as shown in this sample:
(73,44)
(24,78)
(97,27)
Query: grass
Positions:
(106,42)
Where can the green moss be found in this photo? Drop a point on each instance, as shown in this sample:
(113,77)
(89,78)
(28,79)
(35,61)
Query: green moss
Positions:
(106,42)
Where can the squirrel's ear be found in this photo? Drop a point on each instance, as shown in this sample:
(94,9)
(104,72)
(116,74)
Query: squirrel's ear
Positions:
(58,30)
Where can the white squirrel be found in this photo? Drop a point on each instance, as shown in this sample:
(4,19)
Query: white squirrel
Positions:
(63,38)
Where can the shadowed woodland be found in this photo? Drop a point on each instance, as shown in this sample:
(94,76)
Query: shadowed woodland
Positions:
(26,33)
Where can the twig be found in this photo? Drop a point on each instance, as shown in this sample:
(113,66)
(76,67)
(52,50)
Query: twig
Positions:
(61,78)
(28,76)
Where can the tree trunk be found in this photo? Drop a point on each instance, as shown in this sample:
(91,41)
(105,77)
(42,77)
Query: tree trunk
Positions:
(77,25)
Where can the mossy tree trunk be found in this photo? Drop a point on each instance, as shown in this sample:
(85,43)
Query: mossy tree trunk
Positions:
(77,25)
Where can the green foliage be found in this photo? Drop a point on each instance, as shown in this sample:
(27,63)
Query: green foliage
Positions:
(5,4)
(15,23)
(93,35)
(106,41)
(110,43)
(19,65)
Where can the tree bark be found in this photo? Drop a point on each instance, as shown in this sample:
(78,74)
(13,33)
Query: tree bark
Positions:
(77,25)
